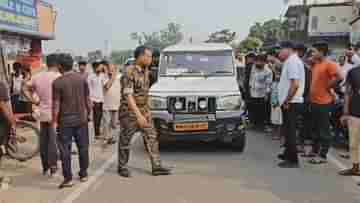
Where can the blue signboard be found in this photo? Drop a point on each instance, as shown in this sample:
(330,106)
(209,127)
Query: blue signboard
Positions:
(19,16)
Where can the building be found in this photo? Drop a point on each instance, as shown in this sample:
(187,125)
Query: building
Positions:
(330,22)
(24,24)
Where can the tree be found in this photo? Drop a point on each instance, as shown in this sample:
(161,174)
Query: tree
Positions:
(119,57)
(257,31)
(250,43)
(161,39)
(222,36)
(272,30)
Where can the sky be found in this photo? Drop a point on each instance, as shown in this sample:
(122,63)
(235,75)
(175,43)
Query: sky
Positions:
(85,25)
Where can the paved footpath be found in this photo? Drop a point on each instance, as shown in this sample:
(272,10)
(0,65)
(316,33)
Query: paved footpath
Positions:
(204,173)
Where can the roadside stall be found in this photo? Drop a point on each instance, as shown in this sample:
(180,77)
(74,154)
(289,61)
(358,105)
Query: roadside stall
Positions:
(24,24)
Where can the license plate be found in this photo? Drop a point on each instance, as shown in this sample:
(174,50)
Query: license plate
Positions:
(182,127)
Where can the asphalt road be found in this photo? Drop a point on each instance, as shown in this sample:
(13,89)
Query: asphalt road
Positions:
(203,173)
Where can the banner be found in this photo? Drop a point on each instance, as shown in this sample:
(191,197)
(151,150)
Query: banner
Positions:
(19,16)
(329,21)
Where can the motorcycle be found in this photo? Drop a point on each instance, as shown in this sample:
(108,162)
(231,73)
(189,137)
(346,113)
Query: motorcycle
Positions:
(22,143)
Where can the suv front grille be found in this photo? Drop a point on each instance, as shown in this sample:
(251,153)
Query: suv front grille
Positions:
(192,104)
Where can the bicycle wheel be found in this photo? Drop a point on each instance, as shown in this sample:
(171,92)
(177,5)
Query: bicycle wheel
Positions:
(27,144)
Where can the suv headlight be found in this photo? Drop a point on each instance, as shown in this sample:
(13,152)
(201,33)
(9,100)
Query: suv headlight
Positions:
(229,103)
(157,103)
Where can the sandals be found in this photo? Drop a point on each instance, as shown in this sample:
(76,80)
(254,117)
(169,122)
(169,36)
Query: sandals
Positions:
(66,184)
(317,161)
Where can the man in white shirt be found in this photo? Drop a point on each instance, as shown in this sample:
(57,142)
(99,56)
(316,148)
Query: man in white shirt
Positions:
(291,91)
(112,97)
(96,82)
(260,87)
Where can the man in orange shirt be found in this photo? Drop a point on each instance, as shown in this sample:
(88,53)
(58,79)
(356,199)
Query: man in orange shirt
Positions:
(324,78)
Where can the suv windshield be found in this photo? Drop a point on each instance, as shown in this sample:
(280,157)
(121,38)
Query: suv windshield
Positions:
(197,63)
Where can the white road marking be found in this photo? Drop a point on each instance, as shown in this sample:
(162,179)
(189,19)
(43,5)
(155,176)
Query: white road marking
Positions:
(92,180)
(84,186)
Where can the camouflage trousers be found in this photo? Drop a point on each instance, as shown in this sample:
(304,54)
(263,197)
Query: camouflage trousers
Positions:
(129,128)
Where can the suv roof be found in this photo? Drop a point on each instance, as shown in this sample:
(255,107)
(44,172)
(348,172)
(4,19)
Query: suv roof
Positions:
(199,47)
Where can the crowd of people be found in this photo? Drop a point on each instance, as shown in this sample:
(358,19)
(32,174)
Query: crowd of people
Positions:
(281,89)
(68,100)
(291,93)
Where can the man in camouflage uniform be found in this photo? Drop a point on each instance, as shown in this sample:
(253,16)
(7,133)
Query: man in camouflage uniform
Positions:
(135,114)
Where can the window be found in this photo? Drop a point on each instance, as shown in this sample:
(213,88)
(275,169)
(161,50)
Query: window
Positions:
(314,23)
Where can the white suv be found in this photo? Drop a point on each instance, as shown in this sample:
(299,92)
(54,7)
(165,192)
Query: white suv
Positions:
(197,95)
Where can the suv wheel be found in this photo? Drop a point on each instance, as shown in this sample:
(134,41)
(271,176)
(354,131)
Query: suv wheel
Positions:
(238,144)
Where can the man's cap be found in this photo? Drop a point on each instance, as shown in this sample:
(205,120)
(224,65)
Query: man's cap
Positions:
(287,45)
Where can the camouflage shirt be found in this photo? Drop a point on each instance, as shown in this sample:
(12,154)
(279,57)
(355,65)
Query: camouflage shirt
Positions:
(135,82)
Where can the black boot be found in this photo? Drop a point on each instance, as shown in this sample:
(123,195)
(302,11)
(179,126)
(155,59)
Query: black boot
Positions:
(161,171)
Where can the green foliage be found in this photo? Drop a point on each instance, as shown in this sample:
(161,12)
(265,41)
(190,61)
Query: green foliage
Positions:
(161,39)
(269,31)
(250,43)
(222,36)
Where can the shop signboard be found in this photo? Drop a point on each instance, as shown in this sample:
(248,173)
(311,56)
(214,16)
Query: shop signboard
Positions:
(19,16)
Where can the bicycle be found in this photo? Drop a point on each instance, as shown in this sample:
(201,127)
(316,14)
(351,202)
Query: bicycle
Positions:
(22,144)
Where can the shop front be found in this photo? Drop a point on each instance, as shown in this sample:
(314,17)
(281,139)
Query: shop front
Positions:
(24,24)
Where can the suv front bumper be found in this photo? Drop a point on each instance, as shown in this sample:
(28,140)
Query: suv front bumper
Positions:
(223,126)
